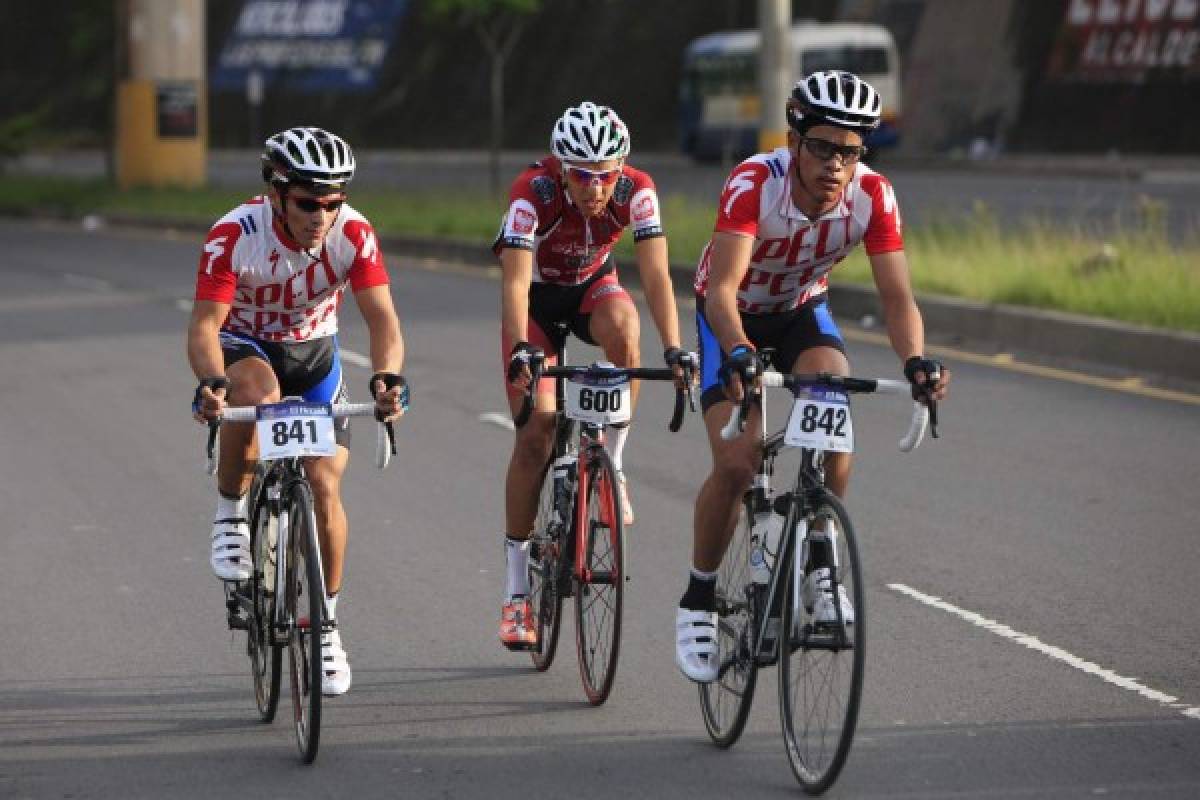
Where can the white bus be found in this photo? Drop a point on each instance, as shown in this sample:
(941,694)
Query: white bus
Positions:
(719,96)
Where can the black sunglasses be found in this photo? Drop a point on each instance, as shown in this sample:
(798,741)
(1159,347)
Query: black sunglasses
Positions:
(311,204)
(825,149)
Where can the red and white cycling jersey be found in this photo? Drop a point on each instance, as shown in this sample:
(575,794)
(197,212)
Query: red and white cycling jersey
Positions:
(278,291)
(568,247)
(793,254)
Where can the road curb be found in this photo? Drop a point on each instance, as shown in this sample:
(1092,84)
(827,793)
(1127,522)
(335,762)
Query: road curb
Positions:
(1152,352)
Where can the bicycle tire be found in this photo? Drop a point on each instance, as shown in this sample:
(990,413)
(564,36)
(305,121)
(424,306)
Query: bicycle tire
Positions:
(545,554)
(821,668)
(726,701)
(266,657)
(599,601)
(305,590)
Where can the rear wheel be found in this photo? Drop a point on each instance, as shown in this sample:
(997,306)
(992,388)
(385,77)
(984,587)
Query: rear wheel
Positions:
(726,701)
(600,591)
(305,606)
(821,666)
(265,657)
(545,554)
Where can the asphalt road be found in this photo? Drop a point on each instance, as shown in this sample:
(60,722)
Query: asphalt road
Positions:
(1031,578)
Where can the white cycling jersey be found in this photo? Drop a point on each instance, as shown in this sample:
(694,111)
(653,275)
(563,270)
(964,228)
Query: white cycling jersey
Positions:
(793,254)
(278,291)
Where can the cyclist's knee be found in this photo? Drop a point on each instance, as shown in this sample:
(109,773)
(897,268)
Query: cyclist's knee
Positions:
(534,442)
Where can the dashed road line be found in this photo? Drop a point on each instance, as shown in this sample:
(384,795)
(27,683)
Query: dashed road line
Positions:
(1056,653)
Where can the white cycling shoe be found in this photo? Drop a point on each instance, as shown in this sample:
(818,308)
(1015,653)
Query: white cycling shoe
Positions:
(696,652)
(818,598)
(231,549)
(335,669)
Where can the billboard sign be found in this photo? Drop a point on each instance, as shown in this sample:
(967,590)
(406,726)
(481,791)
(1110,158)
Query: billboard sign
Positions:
(308,45)
(1128,41)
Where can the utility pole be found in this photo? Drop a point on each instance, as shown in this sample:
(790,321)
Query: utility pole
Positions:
(162,103)
(775,68)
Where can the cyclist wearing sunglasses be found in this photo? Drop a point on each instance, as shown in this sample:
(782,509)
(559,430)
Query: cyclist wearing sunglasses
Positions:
(565,214)
(785,219)
(264,326)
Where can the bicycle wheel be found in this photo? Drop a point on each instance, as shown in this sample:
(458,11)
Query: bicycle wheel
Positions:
(266,657)
(305,606)
(545,554)
(726,701)
(821,669)
(599,593)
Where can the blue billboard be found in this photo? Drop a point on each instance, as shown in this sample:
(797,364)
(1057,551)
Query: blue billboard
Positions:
(308,45)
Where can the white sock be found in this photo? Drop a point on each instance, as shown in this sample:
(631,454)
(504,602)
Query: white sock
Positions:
(331,604)
(228,508)
(616,446)
(516,552)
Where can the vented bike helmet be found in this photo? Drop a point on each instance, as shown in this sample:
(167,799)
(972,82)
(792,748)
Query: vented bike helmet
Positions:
(835,98)
(310,157)
(588,132)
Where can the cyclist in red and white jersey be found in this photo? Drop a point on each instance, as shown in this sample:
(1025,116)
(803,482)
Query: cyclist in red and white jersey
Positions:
(264,326)
(565,213)
(785,219)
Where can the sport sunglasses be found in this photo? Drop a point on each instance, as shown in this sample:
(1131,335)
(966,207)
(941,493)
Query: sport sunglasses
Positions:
(825,149)
(311,204)
(587,176)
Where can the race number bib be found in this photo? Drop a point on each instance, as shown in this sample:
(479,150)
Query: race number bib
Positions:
(821,421)
(295,428)
(600,399)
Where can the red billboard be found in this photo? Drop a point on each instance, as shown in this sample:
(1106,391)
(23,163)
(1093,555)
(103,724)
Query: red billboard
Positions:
(1128,41)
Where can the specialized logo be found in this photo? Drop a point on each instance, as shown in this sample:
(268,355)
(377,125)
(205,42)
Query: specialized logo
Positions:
(274,259)
(523,221)
(215,248)
(739,183)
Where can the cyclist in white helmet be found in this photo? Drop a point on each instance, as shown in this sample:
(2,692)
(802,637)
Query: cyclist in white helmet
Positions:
(785,219)
(264,326)
(566,212)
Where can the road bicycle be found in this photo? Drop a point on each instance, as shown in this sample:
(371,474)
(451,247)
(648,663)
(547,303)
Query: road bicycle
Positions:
(577,547)
(788,549)
(282,604)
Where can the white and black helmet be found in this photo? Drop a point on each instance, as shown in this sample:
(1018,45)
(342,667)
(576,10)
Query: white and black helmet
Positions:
(588,132)
(308,156)
(836,98)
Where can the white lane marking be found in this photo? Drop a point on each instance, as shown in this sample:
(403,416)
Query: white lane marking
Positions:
(87,282)
(502,420)
(1057,653)
(183,304)
(357,359)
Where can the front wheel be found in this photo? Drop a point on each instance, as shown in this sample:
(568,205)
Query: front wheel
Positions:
(305,610)
(821,666)
(726,701)
(266,657)
(545,556)
(600,590)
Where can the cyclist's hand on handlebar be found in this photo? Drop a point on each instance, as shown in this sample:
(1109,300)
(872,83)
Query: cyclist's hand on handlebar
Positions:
(930,378)
(209,399)
(519,360)
(740,370)
(683,364)
(390,392)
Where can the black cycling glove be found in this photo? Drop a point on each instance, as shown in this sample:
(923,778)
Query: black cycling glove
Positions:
(523,355)
(218,382)
(931,368)
(678,357)
(391,380)
(742,360)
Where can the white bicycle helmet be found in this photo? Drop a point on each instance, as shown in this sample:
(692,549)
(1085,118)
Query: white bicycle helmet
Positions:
(308,156)
(588,132)
(836,98)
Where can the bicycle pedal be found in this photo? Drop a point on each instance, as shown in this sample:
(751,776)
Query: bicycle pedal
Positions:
(237,622)
(519,647)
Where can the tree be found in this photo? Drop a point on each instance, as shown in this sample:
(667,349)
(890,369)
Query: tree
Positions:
(498,24)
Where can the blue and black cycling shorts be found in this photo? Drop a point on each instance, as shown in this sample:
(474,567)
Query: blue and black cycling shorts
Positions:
(788,333)
(312,369)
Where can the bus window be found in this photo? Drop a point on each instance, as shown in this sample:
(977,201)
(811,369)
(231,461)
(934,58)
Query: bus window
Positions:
(859,60)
